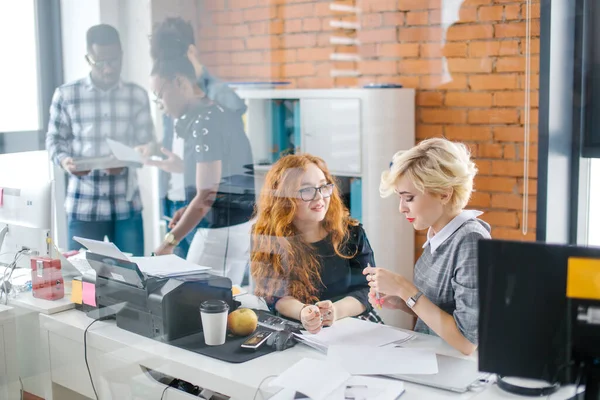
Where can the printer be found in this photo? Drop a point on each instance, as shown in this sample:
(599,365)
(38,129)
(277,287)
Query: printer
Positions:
(164,309)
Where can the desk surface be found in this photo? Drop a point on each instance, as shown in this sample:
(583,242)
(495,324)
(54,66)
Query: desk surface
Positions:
(27,301)
(240,381)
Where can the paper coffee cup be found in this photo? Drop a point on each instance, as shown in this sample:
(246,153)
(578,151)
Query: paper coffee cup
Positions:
(214,321)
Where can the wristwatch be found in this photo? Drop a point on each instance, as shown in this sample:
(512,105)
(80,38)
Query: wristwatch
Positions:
(170,239)
(413,300)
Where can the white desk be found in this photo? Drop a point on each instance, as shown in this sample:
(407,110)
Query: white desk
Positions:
(117,359)
(25,328)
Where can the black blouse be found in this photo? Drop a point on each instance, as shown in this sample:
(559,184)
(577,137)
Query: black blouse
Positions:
(342,277)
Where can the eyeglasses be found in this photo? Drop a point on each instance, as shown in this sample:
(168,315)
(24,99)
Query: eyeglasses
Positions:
(113,63)
(310,193)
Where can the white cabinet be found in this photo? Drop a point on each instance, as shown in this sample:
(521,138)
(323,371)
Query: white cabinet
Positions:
(331,130)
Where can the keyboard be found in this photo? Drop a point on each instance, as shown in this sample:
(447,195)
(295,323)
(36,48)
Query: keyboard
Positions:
(273,322)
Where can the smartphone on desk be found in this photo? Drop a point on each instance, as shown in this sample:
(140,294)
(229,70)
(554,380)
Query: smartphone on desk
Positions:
(256,340)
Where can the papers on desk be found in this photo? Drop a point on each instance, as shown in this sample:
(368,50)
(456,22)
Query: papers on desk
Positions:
(166,266)
(365,360)
(355,332)
(318,380)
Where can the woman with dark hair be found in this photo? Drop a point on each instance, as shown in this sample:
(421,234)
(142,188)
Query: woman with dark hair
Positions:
(307,252)
(173,39)
(215,169)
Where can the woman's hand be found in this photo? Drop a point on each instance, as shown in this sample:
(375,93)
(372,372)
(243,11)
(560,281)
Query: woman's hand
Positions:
(327,310)
(311,319)
(176,217)
(164,249)
(385,281)
(172,164)
(385,301)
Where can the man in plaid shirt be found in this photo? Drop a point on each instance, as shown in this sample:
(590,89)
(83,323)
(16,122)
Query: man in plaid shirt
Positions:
(83,115)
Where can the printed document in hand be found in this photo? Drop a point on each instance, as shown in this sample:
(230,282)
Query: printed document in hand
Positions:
(123,152)
(168,265)
(319,380)
(366,360)
(356,332)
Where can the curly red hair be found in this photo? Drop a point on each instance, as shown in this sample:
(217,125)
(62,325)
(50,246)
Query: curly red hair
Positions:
(281,262)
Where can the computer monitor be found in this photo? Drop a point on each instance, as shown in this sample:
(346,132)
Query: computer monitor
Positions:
(524,322)
(26,194)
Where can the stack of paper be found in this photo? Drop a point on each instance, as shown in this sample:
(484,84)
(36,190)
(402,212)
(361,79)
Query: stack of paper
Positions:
(354,332)
(160,266)
(316,380)
(166,266)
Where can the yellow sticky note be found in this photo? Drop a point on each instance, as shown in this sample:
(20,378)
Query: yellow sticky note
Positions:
(76,292)
(583,278)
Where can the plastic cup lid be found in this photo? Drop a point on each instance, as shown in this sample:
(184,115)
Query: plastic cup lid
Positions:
(214,306)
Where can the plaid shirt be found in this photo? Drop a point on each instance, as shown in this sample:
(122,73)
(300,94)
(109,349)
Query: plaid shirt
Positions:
(82,117)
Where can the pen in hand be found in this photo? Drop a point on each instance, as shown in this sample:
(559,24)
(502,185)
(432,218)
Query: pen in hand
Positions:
(376,292)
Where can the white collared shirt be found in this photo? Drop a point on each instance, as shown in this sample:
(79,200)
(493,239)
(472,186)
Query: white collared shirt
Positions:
(435,240)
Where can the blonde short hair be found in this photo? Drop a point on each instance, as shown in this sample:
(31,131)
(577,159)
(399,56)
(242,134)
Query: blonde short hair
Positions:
(434,166)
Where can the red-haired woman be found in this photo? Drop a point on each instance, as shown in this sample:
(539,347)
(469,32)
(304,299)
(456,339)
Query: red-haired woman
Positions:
(307,253)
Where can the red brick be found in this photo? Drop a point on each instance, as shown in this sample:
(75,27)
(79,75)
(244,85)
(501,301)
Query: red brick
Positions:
(430,99)
(283,56)
(493,116)
(474,65)
(266,28)
(420,66)
(227,17)
(480,200)
(456,82)
(468,99)
(420,34)
(493,82)
(534,82)
(516,29)
(213,5)
(404,50)
(484,167)
(406,81)
(514,64)
(377,35)
(263,42)
(238,4)
(490,150)
(513,11)
(248,57)
(367,50)
(534,46)
(393,18)
(495,48)
(533,117)
(532,186)
(380,5)
(491,13)
(443,116)
(417,18)
(469,32)
(369,21)
(229,44)
(495,184)
(533,152)
(379,67)
(467,14)
(345,81)
(315,54)
(510,152)
(512,168)
(438,50)
(293,25)
(435,17)
(531,221)
(467,133)
(476,2)
(311,24)
(298,69)
(513,98)
(535,11)
(409,5)
(296,11)
(507,201)
(260,14)
(513,234)
(300,40)
(513,134)
(507,219)
(424,131)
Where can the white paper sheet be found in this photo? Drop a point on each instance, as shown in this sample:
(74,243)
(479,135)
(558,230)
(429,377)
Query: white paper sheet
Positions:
(123,152)
(167,265)
(356,332)
(103,248)
(366,360)
(363,387)
(317,379)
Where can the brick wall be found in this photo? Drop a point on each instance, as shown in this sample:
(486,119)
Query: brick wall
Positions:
(467,62)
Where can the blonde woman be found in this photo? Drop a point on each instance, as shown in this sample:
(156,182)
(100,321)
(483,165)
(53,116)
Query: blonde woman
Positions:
(433,182)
